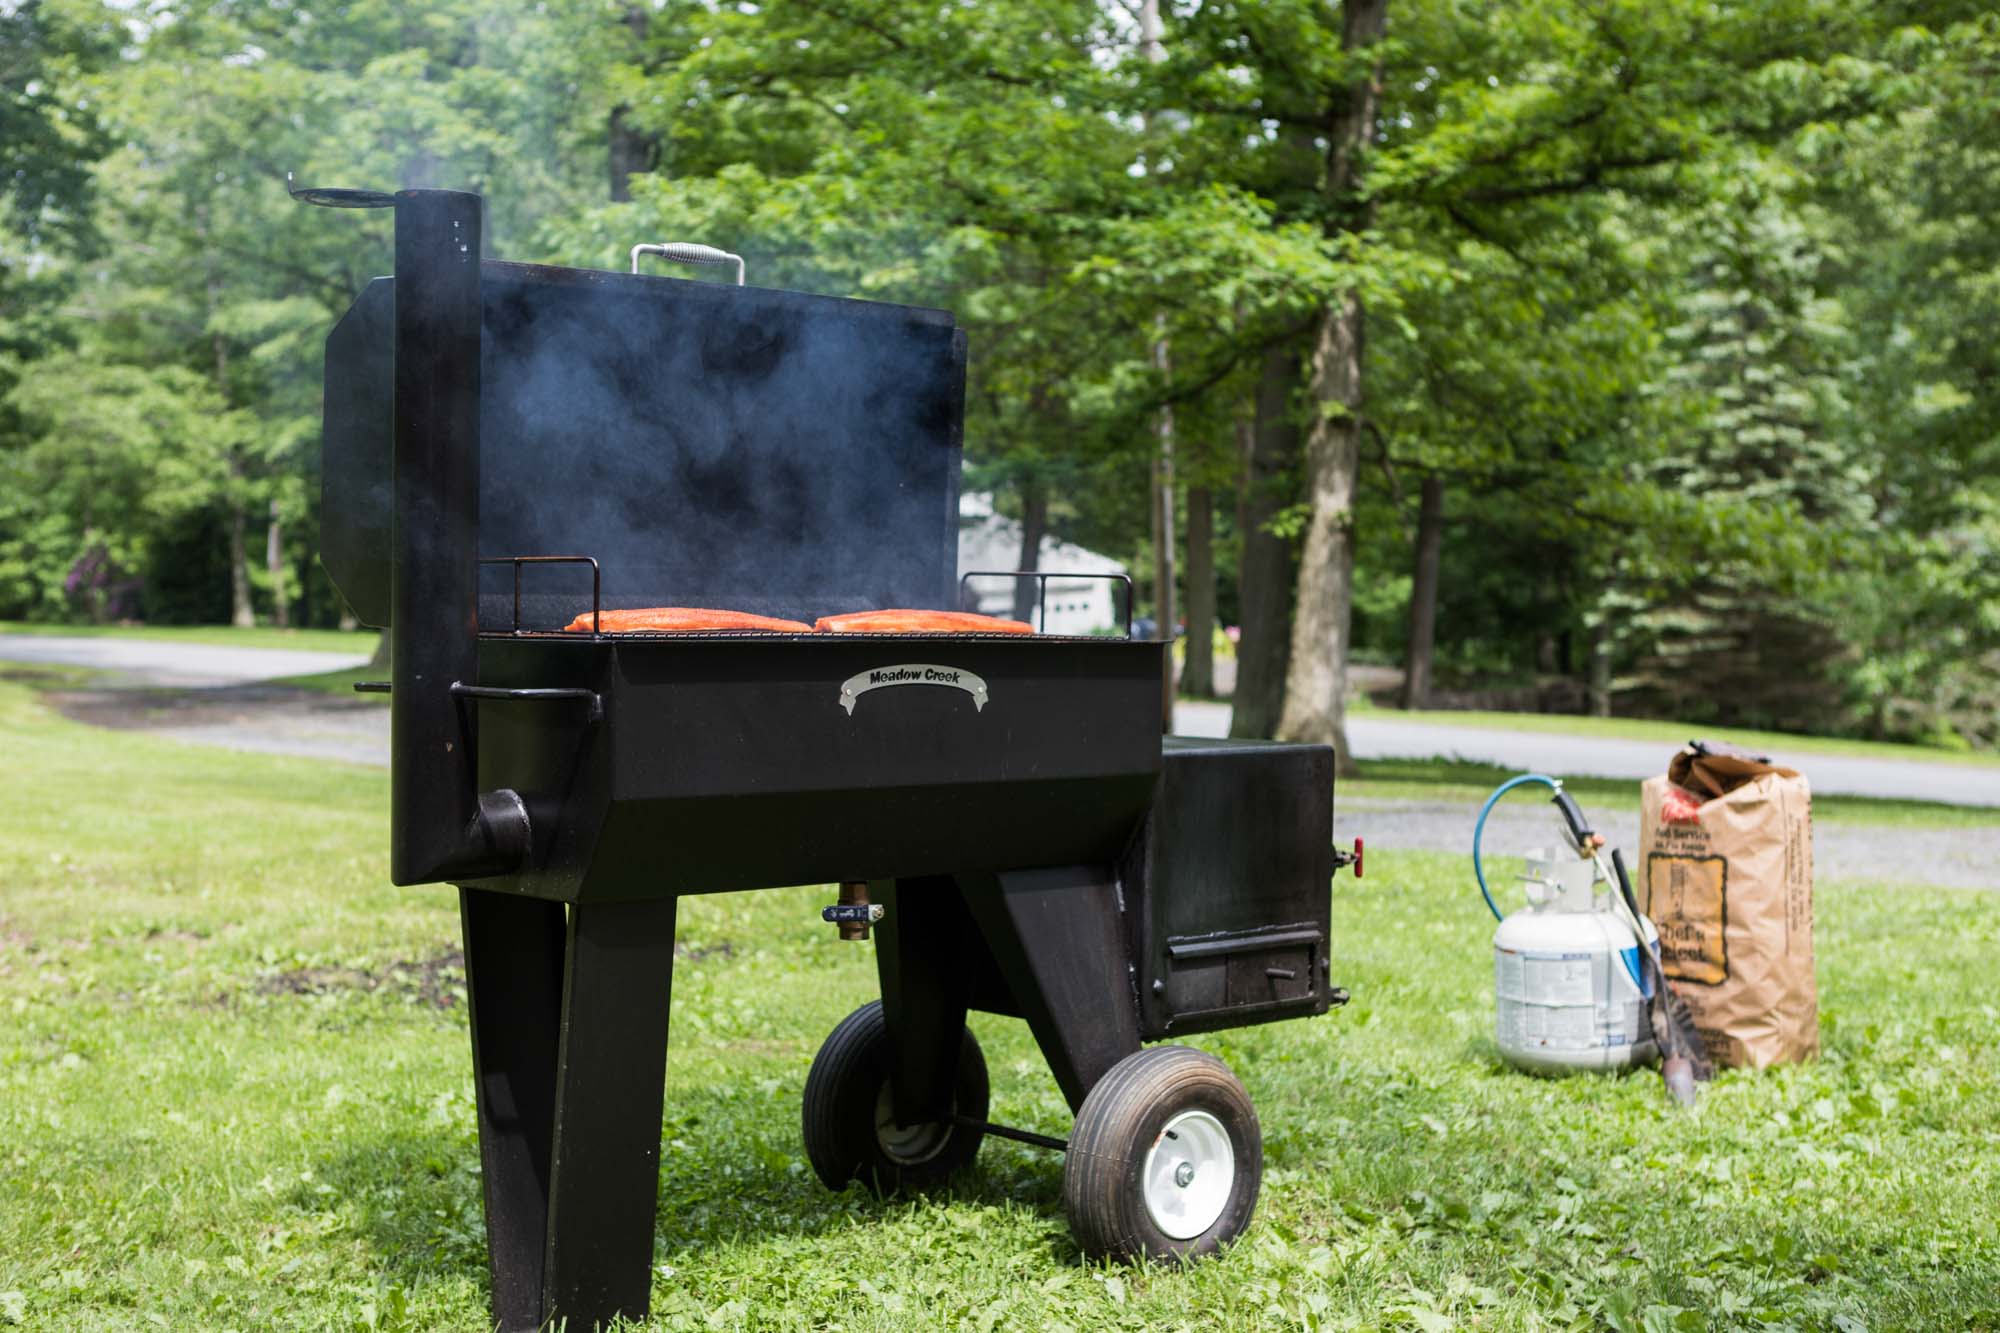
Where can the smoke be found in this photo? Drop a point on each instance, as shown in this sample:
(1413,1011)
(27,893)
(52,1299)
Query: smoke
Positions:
(715,445)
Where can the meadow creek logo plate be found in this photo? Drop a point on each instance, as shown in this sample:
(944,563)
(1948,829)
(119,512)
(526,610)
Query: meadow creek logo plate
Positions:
(912,673)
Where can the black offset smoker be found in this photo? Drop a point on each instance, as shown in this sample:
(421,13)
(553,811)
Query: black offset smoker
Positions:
(1001,810)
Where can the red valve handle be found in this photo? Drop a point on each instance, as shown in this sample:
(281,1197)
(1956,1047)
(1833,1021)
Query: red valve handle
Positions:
(1357,858)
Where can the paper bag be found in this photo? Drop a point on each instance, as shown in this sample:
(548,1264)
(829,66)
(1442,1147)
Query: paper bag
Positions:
(1725,873)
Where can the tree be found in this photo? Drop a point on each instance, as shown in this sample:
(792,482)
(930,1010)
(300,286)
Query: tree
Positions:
(1316,676)
(212,276)
(49,138)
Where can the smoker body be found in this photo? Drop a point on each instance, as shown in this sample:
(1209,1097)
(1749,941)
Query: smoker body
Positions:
(1030,845)
(732,762)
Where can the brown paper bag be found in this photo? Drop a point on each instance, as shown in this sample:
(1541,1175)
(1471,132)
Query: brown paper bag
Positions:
(1725,873)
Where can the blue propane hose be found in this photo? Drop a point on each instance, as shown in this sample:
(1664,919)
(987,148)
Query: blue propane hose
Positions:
(1480,827)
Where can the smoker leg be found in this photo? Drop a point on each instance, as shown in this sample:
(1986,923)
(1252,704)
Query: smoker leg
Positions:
(569,1020)
(921,956)
(1057,938)
(514,975)
(605,1178)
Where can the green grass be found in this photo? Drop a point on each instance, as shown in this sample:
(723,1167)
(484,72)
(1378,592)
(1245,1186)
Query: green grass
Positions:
(205,1124)
(318,640)
(1676,734)
(339,682)
(1458,781)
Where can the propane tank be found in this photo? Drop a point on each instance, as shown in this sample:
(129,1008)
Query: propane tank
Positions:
(1567,978)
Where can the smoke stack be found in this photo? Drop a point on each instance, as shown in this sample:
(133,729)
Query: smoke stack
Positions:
(440,827)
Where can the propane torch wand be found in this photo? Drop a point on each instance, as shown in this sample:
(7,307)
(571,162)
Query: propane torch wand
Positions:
(1683,1063)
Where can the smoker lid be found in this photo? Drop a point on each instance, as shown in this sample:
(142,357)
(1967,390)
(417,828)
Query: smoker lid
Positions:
(784,453)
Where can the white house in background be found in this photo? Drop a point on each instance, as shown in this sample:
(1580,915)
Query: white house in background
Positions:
(987,540)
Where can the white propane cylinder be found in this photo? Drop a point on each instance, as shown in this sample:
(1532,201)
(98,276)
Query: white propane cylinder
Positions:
(1567,977)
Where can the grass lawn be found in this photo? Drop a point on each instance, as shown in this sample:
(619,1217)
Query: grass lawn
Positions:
(1678,733)
(318,640)
(340,682)
(235,1094)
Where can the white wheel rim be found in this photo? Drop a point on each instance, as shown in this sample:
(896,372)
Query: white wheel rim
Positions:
(1188,1175)
(906,1145)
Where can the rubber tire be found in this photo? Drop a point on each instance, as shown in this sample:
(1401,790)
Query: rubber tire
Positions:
(1118,1124)
(838,1117)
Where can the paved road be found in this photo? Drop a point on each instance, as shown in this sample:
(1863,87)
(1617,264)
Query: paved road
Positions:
(1380,737)
(213,695)
(177,665)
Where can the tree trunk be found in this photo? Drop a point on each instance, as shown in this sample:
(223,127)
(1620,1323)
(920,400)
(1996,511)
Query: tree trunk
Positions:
(241,613)
(1246,448)
(1600,671)
(1163,554)
(630,149)
(1546,601)
(1418,655)
(1034,526)
(1163,547)
(1316,678)
(630,152)
(1198,673)
(1545,653)
(1164,533)
(1264,577)
(274,561)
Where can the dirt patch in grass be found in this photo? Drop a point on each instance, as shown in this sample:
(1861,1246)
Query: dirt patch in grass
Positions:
(13,941)
(701,953)
(42,677)
(146,708)
(436,983)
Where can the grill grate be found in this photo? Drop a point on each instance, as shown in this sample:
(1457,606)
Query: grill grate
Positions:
(519,562)
(788,636)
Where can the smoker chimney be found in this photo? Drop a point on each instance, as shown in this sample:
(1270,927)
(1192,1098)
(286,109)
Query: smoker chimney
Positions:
(440,827)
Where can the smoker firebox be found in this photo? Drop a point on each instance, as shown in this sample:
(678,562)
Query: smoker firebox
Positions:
(1000,809)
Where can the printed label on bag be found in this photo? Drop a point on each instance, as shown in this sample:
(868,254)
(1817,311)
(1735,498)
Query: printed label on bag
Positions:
(1688,899)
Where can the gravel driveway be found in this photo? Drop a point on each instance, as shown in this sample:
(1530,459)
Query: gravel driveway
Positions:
(182,665)
(1387,737)
(1868,853)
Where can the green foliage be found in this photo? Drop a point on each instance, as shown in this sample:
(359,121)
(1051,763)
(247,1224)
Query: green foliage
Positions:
(49,134)
(1682,304)
(190,400)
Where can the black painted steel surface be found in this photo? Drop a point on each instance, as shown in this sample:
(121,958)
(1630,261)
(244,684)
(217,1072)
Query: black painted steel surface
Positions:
(1228,916)
(765,451)
(439,825)
(738,762)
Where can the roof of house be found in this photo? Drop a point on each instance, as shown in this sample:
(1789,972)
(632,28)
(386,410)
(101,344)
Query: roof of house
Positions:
(987,540)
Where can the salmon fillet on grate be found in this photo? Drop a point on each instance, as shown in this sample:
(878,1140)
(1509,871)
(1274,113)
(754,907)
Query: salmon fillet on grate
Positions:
(920,622)
(683,618)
